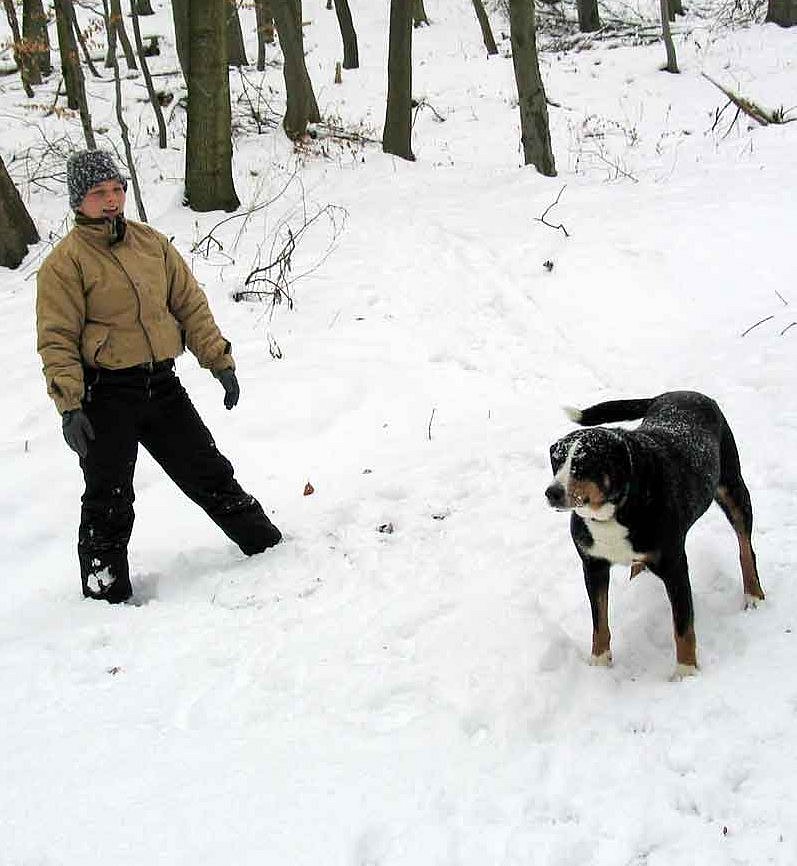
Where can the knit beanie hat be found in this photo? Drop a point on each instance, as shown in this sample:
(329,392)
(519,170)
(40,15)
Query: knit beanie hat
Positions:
(85,169)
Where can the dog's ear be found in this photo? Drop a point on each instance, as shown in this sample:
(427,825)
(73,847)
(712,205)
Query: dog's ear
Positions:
(558,454)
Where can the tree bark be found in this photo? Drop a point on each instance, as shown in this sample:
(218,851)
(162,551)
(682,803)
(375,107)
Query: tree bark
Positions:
(22,57)
(17,230)
(782,12)
(397,134)
(180,18)
(71,69)
(81,41)
(265,30)
(351,54)
(487,31)
(669,45)
(588,18)
(143,7)
(34,31)
(419,14)
(116,21)
(153,96)
(302,107)
(236,51)
(535,130)
(208,153)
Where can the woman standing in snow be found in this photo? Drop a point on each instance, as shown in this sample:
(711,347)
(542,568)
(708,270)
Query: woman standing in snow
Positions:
(116,304)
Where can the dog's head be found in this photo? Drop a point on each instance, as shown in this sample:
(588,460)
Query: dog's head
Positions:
(591,473)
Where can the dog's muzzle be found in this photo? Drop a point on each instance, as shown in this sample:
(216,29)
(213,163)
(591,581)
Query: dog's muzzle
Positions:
(556,495)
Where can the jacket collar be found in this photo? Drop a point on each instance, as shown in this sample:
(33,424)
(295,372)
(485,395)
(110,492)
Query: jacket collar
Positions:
(101,231)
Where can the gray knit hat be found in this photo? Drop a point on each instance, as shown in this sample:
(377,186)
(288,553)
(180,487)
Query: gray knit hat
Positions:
(86,169)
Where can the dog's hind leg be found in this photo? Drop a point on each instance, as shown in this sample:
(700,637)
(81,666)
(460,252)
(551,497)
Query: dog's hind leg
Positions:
(674,572)
(733,498)
(596,578)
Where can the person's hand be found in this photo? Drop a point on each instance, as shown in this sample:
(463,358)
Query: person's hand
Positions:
(77,431)
(232,390)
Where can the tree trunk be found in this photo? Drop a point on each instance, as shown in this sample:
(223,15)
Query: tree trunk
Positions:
(180,18)
(351,54)
(22,57)
(669,45)
(419,14)
(265,30)
(487,31)
(236,51)
(143,7)
(782,12)
(116,22)
(302,107)
(153,96)
(208,153)
(676,8)
(397,135)
(81,41)
(588,19)
(34,30)
(17,230)
(535,131)
(71,69)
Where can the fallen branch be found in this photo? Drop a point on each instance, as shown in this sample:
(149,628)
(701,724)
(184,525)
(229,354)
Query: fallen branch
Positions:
(750,108)
(761,322)
(548,209)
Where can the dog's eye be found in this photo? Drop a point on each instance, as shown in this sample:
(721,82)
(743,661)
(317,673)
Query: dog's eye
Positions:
(585,500)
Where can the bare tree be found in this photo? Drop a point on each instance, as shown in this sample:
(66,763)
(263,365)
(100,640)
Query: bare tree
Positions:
(397,134)
(535,130)
(208,153)
(70,66)
(236,51)
(265,30)
(487,31)
(34,32)
(115,27)
(142,59)
(180,18)
(351,55)
(17,230)
(419,14)
(669,45)
(302,107)
(782,12)
(143,7)
(588,18)
(24,58)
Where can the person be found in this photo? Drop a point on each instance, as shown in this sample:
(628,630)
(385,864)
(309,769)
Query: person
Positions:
(116,304)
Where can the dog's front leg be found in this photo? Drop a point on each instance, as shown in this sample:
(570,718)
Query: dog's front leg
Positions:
(674,572)
(596,578)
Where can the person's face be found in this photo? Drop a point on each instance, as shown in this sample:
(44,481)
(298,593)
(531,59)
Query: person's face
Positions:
(106,199)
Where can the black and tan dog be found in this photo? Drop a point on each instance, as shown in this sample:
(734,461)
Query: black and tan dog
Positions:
(634,494)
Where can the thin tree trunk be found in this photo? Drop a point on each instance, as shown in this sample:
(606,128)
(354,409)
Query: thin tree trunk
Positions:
(782,12)
(153,96)
(535,131)
(588,18)
(116,22)
(669,45)
(676,8)
(236,51)
(71,69)
(419,14)
(397,134)
(208,154)
(22,57)
(180,18)
(487,31)
(302,107)
(34,30)
(351,54)
(265,30)
(107,6)
(143,7)
(17,230)
(81,41)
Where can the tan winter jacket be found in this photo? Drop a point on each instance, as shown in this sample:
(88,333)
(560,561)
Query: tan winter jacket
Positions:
(118,306)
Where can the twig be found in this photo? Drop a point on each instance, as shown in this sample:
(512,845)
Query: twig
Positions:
(429,429)
(745,333)
(549,208)
(782,299)
(788,328)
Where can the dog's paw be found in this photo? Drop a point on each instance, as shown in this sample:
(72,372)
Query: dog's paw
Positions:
(752,601)
(604,660)
(683,671)
(573,414)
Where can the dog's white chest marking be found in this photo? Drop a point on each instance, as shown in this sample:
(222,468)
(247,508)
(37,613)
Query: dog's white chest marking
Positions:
(610,542)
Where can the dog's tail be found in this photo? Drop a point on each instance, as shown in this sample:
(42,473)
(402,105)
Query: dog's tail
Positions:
(609,412)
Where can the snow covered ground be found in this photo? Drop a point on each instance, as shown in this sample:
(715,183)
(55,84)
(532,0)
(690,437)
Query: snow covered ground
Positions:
(423,696)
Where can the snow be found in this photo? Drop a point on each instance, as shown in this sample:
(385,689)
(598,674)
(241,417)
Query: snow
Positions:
(423,696)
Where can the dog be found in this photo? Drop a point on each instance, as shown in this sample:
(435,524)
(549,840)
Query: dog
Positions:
(634,494)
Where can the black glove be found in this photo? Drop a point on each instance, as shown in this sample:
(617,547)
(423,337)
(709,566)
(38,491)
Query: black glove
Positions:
(232,390)
(77,431)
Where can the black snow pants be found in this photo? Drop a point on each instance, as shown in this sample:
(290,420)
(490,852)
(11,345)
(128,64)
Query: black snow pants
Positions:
(149,405)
